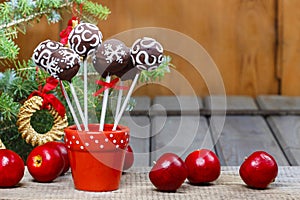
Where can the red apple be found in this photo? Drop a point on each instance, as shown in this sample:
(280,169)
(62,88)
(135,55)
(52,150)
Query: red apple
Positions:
(45,163)
(64,153)
(11,168)
(168,173)
(129,158)
(203,166)
(259,170)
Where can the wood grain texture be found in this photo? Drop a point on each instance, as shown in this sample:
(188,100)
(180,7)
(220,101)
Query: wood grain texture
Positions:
(241,136)
(229,102)
(183,105)
(139,138)
(285,128)
(277,102)
(238,35)
(289,46)
(287,132)
(35,34)
(179,134)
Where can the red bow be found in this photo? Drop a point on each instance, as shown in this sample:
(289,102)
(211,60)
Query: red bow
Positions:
(50,99)
(111,84)
(64,34)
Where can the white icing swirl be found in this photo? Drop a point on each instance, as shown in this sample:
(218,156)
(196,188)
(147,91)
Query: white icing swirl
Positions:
(147,42)
(84,38)
(42,52)
(136,47)
(146,54)
(63,56)
(146,58)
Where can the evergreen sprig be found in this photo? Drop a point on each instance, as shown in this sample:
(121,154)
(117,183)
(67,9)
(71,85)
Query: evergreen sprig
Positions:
(6,79)
(15,87)
(96,10)
(8,107)
(15,15)
(8,48)
(159,73)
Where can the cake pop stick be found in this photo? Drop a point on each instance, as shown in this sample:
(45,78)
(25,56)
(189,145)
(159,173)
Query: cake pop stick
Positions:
(64,64)
(104,105)
(78,106)
(85,90)
(146,54)
(60,62)
(111,58)
(118,117)
(84,39)
(119,100)
(70,107)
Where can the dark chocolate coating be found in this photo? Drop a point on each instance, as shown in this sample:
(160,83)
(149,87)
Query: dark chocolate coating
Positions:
(42,52)
(111,58)
(84,39)
(64,64)
(146,54)
(128,72)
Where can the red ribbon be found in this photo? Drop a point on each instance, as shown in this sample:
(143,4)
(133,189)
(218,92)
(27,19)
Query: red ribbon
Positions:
(50,99)
(111,84)
(64,34)
(78,12)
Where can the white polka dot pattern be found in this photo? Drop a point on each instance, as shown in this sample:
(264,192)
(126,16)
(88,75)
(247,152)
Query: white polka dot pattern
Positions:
(117,140)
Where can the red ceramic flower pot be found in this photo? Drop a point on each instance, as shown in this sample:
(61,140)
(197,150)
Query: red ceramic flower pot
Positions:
(97,157)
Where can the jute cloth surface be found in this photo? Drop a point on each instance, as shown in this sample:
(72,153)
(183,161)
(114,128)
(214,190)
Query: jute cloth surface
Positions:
(135,184)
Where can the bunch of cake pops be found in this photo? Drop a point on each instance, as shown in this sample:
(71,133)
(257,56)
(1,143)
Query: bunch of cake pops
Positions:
(112,58)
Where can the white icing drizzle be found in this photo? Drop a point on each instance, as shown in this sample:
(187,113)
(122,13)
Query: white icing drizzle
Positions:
(42,52)
(147,42)
(133,60)
(113,53)
(82,36)
(140,49)
(75,45)
(53,68)
(135,47)
(67,56)
(146,59)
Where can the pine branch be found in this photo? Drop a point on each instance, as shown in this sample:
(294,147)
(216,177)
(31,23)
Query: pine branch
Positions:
(8,108)
(15,15)
(159,73)
(30,17)
(8,48)
(6,79)
(96,10)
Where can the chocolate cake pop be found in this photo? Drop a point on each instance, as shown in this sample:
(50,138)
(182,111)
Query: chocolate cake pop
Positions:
(85,38)
(146,54)
(64,64)
(42,52)
(127,72)
(112,56)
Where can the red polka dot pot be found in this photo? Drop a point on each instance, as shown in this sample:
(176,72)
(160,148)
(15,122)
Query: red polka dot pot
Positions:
(97,157)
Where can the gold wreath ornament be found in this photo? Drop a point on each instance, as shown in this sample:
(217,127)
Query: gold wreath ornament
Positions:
(1,145)
(29,134)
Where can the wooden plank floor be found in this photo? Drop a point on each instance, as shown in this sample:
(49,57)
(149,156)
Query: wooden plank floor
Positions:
(285,128)
(178,125)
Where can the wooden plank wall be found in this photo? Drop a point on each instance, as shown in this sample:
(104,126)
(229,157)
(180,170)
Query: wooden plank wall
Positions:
(289,46)
(253,43)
